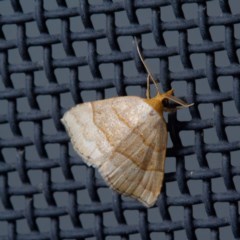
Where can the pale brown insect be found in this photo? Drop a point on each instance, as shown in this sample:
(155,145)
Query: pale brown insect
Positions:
(125,138)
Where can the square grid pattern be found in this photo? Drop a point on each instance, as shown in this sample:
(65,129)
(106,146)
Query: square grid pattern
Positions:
(55,54)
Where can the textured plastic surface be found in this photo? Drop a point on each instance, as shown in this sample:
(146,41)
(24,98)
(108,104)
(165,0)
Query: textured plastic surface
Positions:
(55,54)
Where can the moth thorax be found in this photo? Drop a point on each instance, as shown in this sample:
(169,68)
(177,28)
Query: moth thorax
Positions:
(156,103)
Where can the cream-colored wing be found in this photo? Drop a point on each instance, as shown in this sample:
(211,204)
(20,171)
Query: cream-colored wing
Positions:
(135,167)
(87,139)
(95,128)
(126,139)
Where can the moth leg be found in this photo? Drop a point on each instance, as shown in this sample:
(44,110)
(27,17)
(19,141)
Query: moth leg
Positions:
(150,76)
(148,87)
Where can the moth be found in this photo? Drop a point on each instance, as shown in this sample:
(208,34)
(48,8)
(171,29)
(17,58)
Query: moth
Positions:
(125,138)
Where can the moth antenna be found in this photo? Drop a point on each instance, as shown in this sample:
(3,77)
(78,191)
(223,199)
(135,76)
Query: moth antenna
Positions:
(179,101)
(146,68)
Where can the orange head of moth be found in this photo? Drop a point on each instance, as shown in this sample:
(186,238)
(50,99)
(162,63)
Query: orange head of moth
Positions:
(157,102)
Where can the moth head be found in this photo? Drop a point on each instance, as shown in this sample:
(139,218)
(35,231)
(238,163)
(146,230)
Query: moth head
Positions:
(171,103)
(166,102)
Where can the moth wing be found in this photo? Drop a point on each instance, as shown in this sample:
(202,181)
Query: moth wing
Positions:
(95,129)
(87,139)
(136,165)
(125,139)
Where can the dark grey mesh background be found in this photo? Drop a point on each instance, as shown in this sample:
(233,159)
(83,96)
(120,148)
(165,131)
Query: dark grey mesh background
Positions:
(55,54)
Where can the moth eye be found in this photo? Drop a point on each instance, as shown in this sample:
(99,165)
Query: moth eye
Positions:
(169,104)
(165,102)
